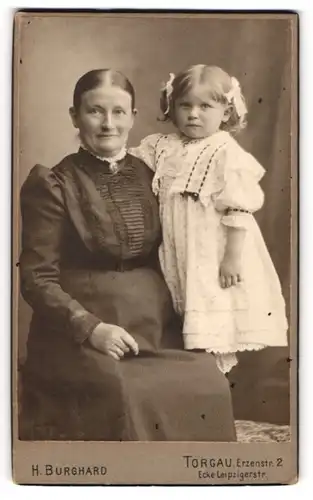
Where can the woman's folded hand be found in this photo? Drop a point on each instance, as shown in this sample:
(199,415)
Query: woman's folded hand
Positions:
(113,340)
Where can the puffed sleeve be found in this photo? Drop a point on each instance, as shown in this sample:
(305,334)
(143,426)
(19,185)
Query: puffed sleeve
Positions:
(147,150)
(43,226)
(240,194)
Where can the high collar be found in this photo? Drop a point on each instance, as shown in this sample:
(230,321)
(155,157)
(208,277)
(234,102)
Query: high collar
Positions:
(112,162)
(219,135)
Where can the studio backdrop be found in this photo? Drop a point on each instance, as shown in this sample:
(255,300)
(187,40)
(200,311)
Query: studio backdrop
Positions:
(56,51)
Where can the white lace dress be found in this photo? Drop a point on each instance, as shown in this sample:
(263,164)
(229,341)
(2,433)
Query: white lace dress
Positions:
(197,181)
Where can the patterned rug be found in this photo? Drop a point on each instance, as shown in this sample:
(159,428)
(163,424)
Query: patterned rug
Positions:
(261,432)
(251,432)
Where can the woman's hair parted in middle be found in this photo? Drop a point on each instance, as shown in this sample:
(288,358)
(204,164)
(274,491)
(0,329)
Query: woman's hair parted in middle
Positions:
(219,85)
(96,77)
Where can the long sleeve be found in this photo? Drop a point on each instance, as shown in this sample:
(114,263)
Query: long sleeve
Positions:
(239,174)
(43,226)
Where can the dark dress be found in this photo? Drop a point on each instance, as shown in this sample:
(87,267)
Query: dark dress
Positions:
(89,254)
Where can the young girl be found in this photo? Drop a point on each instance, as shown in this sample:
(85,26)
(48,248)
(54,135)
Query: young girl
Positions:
(213,256)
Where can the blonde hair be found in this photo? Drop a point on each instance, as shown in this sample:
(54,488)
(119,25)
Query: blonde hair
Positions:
(219,85)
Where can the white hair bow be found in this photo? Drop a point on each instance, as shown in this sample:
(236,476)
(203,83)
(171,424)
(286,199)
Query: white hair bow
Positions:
(235,95)
(168,89)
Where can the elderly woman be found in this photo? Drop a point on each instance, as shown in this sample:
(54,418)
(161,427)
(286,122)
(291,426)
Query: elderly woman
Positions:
(105,353)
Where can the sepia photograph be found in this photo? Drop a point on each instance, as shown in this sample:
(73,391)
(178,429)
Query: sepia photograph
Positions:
(155,248)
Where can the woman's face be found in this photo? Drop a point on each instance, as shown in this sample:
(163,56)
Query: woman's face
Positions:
(104,119)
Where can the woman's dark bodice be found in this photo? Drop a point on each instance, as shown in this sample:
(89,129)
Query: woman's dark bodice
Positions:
(79,216)
(127,199)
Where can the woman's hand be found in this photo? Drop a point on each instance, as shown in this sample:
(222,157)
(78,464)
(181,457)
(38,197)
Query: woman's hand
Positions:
(230,272)
(113,340)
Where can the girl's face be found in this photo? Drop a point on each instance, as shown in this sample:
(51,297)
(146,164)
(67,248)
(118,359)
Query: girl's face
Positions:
(197,115)
(104,119)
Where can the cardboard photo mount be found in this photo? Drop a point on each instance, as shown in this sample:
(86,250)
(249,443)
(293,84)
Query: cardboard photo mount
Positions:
(140,463)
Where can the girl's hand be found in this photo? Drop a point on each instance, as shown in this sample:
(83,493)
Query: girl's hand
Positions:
(230,272)
(230,268)
(113,340)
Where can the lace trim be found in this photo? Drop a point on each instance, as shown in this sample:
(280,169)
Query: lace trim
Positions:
(112,160)
(157,157)
(196,193)
(192,180)
(239,348)
(226,361)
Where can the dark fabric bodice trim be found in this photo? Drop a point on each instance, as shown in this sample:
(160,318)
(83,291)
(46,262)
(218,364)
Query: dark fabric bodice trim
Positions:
(112,212)
(124,195)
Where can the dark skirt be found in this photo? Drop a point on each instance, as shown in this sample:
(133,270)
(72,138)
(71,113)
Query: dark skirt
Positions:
(73,392)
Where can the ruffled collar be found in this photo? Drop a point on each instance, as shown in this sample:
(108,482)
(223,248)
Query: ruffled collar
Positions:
(112,161)
(219,136)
